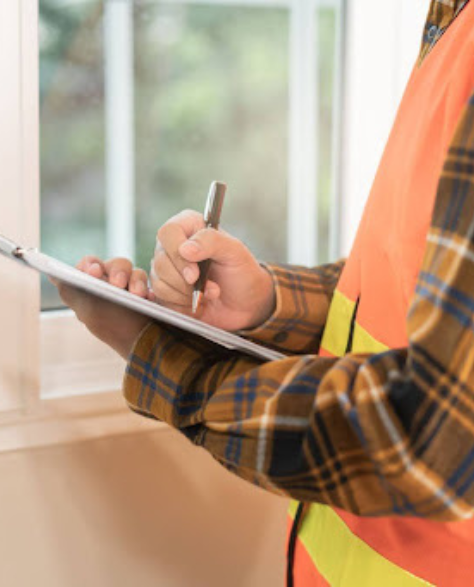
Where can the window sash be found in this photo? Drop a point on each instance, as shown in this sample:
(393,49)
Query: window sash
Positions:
(302,233)
(302,197)
(27,338)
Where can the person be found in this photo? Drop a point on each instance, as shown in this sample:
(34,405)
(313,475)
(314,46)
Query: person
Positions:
(369,420)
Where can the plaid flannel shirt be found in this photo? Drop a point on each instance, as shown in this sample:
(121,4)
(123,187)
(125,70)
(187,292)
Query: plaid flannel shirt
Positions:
(386,434)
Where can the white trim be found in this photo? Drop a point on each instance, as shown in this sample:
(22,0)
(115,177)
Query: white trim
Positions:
(337,134)
(303,135)
(68,351)
(73,361)
(30,173)
(64,365)
(120,131)
(19,294)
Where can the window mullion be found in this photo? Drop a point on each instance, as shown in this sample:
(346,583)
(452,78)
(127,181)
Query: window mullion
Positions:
(303,134)
(120,143)
(337,143)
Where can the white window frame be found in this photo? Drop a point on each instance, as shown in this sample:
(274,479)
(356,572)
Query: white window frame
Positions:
(57,361)
(37,347)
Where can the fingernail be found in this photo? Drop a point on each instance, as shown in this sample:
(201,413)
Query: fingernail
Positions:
(191,247)
(95,266)
(120,279)
(188,275)
(140,288)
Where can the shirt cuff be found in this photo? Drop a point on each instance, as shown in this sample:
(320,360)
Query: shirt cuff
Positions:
(302,303)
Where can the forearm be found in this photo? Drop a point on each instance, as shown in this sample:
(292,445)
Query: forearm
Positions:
(314,429)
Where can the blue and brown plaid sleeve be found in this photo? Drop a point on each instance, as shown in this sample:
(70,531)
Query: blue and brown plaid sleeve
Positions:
(303,297)
(385,434)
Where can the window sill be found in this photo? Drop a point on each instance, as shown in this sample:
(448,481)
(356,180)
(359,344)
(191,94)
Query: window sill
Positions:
(73,362)
(80,397)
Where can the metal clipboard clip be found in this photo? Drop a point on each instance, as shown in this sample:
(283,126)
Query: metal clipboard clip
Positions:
(18,252)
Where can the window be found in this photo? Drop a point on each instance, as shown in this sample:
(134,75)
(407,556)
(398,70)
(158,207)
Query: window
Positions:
(143,103)
(123,146)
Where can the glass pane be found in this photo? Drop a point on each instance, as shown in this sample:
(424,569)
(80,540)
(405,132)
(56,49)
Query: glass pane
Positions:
(211,86)
(72,133)
(212,103)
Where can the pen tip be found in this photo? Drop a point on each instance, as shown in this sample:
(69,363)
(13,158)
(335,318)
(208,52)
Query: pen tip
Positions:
(197,296)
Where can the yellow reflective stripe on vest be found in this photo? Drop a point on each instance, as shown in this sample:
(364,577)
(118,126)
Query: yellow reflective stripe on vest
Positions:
(338,324)
(364,343)
(342,558)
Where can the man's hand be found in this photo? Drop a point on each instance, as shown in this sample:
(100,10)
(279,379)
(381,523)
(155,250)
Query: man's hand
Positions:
(239,292)
(115,325)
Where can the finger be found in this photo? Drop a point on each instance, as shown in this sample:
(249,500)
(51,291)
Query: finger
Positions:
(93,266)
(189,222)
(212,291)
(138,283)
(166,295)
(217,245)
(119,271)
(163,267)
(67,294)
(175,232)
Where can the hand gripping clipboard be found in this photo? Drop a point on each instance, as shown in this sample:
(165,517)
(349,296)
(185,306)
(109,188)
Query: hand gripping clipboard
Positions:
(50,266)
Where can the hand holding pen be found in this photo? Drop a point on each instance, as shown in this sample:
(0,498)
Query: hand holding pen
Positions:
(239,293)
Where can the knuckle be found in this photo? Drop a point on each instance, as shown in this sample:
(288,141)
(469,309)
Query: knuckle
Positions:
(122,261)
(158,246)
(160,289)
(153,273)
(189,213)
(207,238)
(119,264)
(86,260)
(160,262)
(165,230)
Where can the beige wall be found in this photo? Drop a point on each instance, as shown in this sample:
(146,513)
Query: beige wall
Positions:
(139,510)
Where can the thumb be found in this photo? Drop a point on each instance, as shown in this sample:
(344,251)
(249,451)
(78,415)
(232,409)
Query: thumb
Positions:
(217,245)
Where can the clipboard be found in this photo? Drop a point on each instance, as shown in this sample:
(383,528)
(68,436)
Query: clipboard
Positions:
(35,259)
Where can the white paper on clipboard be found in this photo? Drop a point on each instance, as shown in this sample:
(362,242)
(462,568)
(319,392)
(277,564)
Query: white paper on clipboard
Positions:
(52,267)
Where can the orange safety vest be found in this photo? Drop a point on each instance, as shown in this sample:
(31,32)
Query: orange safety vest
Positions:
(334,547)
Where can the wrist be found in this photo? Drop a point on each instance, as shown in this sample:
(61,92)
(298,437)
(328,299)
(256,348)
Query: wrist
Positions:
(267,305)
(124,341)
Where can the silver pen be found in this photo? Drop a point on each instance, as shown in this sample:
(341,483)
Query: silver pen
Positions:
(212,216)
